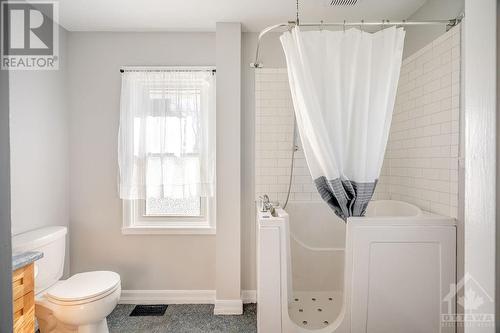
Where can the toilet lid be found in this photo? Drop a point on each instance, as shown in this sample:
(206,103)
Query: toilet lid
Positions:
(84,286)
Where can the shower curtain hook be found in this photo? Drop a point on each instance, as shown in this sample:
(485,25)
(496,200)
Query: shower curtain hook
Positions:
(362,25)
(343,26)
(321,25)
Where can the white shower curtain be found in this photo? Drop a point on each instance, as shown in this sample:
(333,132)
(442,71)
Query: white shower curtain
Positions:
(343,86)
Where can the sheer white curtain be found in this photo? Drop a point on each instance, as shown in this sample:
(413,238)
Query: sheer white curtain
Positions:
(166,137)
(343,88)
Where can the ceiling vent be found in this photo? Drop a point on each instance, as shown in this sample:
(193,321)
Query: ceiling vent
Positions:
(343,2)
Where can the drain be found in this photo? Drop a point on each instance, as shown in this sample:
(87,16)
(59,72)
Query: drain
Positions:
(314,299)
(330,299)
(296,300)
(301,310)
(326,322)
(304,322)
(149,310)
(320,309)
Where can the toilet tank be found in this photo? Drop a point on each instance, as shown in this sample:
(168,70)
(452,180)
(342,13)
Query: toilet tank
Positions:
(52,242)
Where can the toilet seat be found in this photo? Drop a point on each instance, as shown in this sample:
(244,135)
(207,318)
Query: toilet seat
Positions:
(83,288)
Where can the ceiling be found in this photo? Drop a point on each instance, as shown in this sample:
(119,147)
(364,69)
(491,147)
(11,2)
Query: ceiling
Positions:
(197,15)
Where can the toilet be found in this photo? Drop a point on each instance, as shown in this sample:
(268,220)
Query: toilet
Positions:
(78,304)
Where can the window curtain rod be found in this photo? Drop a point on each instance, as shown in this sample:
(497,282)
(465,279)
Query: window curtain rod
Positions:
(450,23)
(168,69)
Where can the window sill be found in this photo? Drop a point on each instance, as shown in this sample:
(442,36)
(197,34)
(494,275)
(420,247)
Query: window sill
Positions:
(165,230)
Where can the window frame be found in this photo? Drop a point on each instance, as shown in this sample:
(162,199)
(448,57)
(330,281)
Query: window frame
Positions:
(142,207)
(136,222)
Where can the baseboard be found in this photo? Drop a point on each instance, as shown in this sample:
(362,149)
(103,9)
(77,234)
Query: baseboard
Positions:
(167,297)
(180,297)
(249,296)
(228,307)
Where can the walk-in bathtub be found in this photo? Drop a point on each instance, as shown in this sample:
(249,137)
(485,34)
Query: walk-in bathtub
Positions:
(389,272)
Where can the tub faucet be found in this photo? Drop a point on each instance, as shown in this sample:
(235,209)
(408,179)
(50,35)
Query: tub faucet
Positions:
(267,205)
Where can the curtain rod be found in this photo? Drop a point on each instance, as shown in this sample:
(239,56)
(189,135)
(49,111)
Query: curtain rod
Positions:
(382,23)
(450,23)
(168,69)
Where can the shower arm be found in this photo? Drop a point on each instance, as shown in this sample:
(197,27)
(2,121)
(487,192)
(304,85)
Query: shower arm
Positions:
(257,64)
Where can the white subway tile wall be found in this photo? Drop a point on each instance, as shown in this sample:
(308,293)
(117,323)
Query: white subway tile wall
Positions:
(421,161)
(274,141)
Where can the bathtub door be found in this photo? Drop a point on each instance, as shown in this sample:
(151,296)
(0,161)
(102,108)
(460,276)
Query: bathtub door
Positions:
(401,278)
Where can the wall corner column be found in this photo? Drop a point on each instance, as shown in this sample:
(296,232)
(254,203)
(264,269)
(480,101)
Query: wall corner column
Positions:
(480,112)
(228,145)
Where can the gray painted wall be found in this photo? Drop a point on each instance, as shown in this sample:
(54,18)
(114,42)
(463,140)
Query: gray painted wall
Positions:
(418,37)
(272,56)
(5,240)
(39,146)
(34,183)
(143,261)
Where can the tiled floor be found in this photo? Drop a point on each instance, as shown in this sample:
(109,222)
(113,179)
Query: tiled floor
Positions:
(315,309)
(184,318)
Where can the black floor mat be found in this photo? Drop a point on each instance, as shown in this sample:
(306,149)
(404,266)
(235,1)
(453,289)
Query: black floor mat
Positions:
(149,310)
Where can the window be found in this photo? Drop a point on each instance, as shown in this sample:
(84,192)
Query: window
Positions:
(167,150)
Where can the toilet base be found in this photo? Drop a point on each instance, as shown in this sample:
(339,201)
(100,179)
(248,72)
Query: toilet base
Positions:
(100,327)
(51,325)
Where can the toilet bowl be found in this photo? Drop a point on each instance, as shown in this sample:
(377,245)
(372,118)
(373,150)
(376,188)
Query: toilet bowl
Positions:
(78,304)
